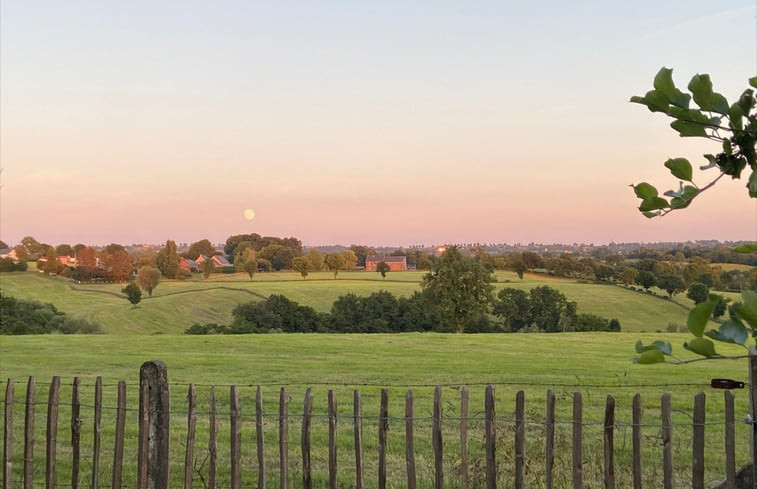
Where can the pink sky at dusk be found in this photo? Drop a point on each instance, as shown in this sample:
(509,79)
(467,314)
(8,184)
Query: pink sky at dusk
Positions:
(349,123)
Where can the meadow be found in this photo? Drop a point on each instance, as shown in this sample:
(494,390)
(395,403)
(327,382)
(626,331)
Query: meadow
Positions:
(176,305)
(596,364)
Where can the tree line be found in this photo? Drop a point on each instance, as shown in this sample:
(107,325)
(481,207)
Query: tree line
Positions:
(456,295)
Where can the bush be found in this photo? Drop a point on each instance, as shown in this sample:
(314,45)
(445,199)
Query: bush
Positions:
(32,317)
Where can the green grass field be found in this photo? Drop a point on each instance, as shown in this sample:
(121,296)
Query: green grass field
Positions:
(176,305)
(596,364)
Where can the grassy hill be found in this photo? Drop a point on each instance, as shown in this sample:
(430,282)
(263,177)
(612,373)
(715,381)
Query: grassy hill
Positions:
(176,305)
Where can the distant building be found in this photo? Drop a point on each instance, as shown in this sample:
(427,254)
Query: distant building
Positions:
(220,262)
(396,263)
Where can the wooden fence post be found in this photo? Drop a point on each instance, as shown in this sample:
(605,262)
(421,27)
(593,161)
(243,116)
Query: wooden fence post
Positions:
(332,440)
(212,439)
(283,439)
(637,415)
(578,450)
(464,479)
(154,438)
(307,416)
(31,393)
(667,442)
(383,428)
(520,440)
(118,448)
(730,441)
(52,432)
(697,456)
(409,445)
(235,425)
(491,438)
(609,443)
(358,414)
(550,439)
(436,440)
(75,432)
(8,435)
(259,437)
(96,432)
(190,445)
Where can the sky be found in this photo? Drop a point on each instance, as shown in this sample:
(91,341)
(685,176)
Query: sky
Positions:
(352,122)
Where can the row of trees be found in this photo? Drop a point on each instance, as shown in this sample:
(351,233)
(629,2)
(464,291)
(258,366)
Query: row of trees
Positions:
(31,317)
(457,295)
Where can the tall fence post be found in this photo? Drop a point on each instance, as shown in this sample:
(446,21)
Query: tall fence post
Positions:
(154,405)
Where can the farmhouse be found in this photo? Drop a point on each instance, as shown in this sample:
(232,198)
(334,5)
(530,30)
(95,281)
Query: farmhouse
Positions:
(220,262)
(396,263)
(188,265)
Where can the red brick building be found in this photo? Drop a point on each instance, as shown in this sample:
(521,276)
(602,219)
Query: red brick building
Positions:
(396,263)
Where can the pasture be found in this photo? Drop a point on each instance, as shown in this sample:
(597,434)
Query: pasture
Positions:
(176,305)
(596,364)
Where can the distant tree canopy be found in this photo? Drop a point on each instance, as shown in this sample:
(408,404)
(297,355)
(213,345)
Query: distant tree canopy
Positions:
(259,242)
(31,317)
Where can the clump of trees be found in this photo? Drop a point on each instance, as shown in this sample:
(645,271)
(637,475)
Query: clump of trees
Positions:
(31,317)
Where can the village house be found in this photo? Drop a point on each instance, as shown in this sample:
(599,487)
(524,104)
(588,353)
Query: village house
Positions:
(220,262)
(396,263)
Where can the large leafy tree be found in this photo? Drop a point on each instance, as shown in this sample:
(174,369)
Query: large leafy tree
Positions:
(148,278)
(168,260)
(460,287)
(202,247)
(133,293)
(334,262)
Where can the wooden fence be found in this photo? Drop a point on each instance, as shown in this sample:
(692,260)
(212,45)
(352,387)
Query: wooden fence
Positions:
(154,437)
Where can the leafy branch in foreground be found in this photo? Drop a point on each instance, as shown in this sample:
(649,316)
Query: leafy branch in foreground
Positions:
(734,126)
(740,326)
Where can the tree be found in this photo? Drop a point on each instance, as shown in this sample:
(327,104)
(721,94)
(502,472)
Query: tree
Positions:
(51,264)
(350,259)
(550,310)
(698,292)
(315,258)
(733,126)
(671,283)
(148,278)
(65,250)
(207,267)
(133,293)
(168,260)
(518,266)
(646,279)
(461,287)
(513,308)
(279,255)
(302,265)
(334,262)
(383,268)
(202,247)
(118,265)
(3,245)
(361,252)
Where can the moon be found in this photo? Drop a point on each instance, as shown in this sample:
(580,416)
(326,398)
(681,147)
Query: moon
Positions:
(249,214)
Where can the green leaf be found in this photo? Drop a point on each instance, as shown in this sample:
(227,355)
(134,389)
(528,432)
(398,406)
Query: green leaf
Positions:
(645,190)
(731,331)
(753,81)
(688,129)
(701,346)
(746,248)
(651,214)
(748,308)
(650,357)
(654,100)
(653,204)
(680,168)
(713,162)
(662,346)
(719,104)
(735,114)
(663,83)
(700,314)
(701,88)
(752,184)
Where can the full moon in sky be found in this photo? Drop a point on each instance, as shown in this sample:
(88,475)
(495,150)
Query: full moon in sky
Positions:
(249,214)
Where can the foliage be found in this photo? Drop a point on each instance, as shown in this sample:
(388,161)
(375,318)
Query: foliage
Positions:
(207,267)
(31,317)
(671,283)
(698,292)
(512,306)
(133,293)
(148,278)
(199,248)
(168,260)
(733,126)
(7,264)
(276,313)
(302,265)
(550,310)
(334,262)
(461,289)
(383,268)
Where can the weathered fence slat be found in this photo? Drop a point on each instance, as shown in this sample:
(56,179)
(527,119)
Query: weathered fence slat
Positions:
(97,432)
(154,434)
(358,415)
(436,440)
(464,478)
(491,438)
(52,432)
(520,440)
(118,448)
(609,443)
(333,482)
(697,445)
(409,445)
(307,416)
(667,442)
(190,443)
(383,428)
(283,439)
(75,432)
(549,442)
(8,435)
(235,422)
(212,439)
(636,437)
(730,441)
(31,392)
(578,448)
(259,436)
